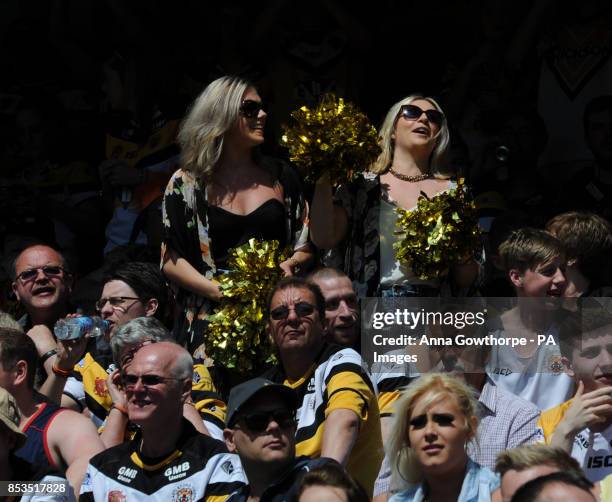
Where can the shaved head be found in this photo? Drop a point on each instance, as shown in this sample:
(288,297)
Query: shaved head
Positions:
(168,355)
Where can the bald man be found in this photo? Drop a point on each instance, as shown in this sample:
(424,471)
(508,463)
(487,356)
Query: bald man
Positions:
(167,459)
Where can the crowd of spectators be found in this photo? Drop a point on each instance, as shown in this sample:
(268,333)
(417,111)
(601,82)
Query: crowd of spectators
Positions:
(104,164)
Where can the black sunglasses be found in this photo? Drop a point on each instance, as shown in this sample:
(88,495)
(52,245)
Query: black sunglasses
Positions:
(259,421)
(250,109)
(413,112)
(302,309)
(129,381)
(48,270)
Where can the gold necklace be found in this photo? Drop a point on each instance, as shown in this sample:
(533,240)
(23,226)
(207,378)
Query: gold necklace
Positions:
(411,179)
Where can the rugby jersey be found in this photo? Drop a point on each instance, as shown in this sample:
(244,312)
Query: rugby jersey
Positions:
(337,380)
(390,379)
(592,450)
(87,386)
(200,469)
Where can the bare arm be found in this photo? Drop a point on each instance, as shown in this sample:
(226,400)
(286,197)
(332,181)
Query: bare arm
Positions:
(328,222)
(69,353)
(181,272)
(73,440)
(116,421)
(340,435)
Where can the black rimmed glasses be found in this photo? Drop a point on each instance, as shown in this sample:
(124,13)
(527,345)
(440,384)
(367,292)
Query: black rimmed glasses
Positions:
(302,309)
(250,108)
(413,112)
(48,270)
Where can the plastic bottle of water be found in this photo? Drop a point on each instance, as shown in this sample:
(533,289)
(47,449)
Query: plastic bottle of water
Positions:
(72,328)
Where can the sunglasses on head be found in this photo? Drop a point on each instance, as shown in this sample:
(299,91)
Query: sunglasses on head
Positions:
(130,381)
(302,309)
(48,270)
(259,421)
(250,109)
(413,112)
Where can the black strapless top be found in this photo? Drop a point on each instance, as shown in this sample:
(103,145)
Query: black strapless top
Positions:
(227,230)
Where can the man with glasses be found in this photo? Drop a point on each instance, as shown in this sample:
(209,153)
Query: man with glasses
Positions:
(167,459)
(133,290)
(42,283)
(338,414)
(261,430)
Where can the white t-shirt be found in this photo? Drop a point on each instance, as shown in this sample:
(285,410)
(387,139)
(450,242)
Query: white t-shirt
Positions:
(593,451)
(539,378)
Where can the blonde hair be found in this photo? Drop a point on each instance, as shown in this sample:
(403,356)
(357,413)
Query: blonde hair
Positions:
(211,115)
(531,455)
(435,386)
(438,156)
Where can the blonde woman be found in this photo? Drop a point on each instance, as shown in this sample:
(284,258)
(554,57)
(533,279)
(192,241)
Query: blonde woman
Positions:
(225,194)
(359,222)
(435,419)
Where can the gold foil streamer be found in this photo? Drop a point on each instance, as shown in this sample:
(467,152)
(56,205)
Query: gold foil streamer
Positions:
(440,232)
(236,336)
(335,137)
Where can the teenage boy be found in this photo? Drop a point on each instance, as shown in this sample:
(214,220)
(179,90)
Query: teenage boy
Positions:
(534,262)
(582,426)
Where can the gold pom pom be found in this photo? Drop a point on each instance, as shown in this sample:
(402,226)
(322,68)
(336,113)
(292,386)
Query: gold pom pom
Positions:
(440,232)
(236,335)
(335,137)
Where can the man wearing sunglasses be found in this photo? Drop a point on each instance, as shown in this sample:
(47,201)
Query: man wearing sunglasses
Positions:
(167,459)
(42,283)
(261,430)
(338,414)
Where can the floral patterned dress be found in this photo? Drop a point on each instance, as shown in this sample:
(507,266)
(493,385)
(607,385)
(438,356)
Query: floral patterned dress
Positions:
(186,232)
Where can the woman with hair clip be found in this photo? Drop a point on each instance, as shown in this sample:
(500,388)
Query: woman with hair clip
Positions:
(361,217)
(435,420)
(225,194)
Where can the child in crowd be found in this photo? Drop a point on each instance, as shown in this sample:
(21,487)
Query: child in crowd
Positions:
(534,262)
(587,239)
(582,426)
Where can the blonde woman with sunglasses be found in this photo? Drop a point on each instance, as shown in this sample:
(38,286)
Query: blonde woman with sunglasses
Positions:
(225,194)
(358,222)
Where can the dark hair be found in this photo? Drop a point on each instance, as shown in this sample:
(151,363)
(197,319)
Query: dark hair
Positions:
(531,490)
(335,476)
(145,279)
(300,283)
(527,248)
(587,238)
(15,346)
(583,324)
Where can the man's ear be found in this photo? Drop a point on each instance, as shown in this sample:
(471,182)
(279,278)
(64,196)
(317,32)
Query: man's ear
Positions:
(516,277)
(151,307)
(228,437)
(567,367)
(187,385)
(21,372)
(15,292)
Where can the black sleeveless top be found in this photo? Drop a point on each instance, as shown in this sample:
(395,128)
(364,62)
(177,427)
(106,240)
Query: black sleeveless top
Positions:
(228,230)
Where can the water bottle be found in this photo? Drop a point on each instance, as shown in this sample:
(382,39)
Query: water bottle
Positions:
(73,328)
